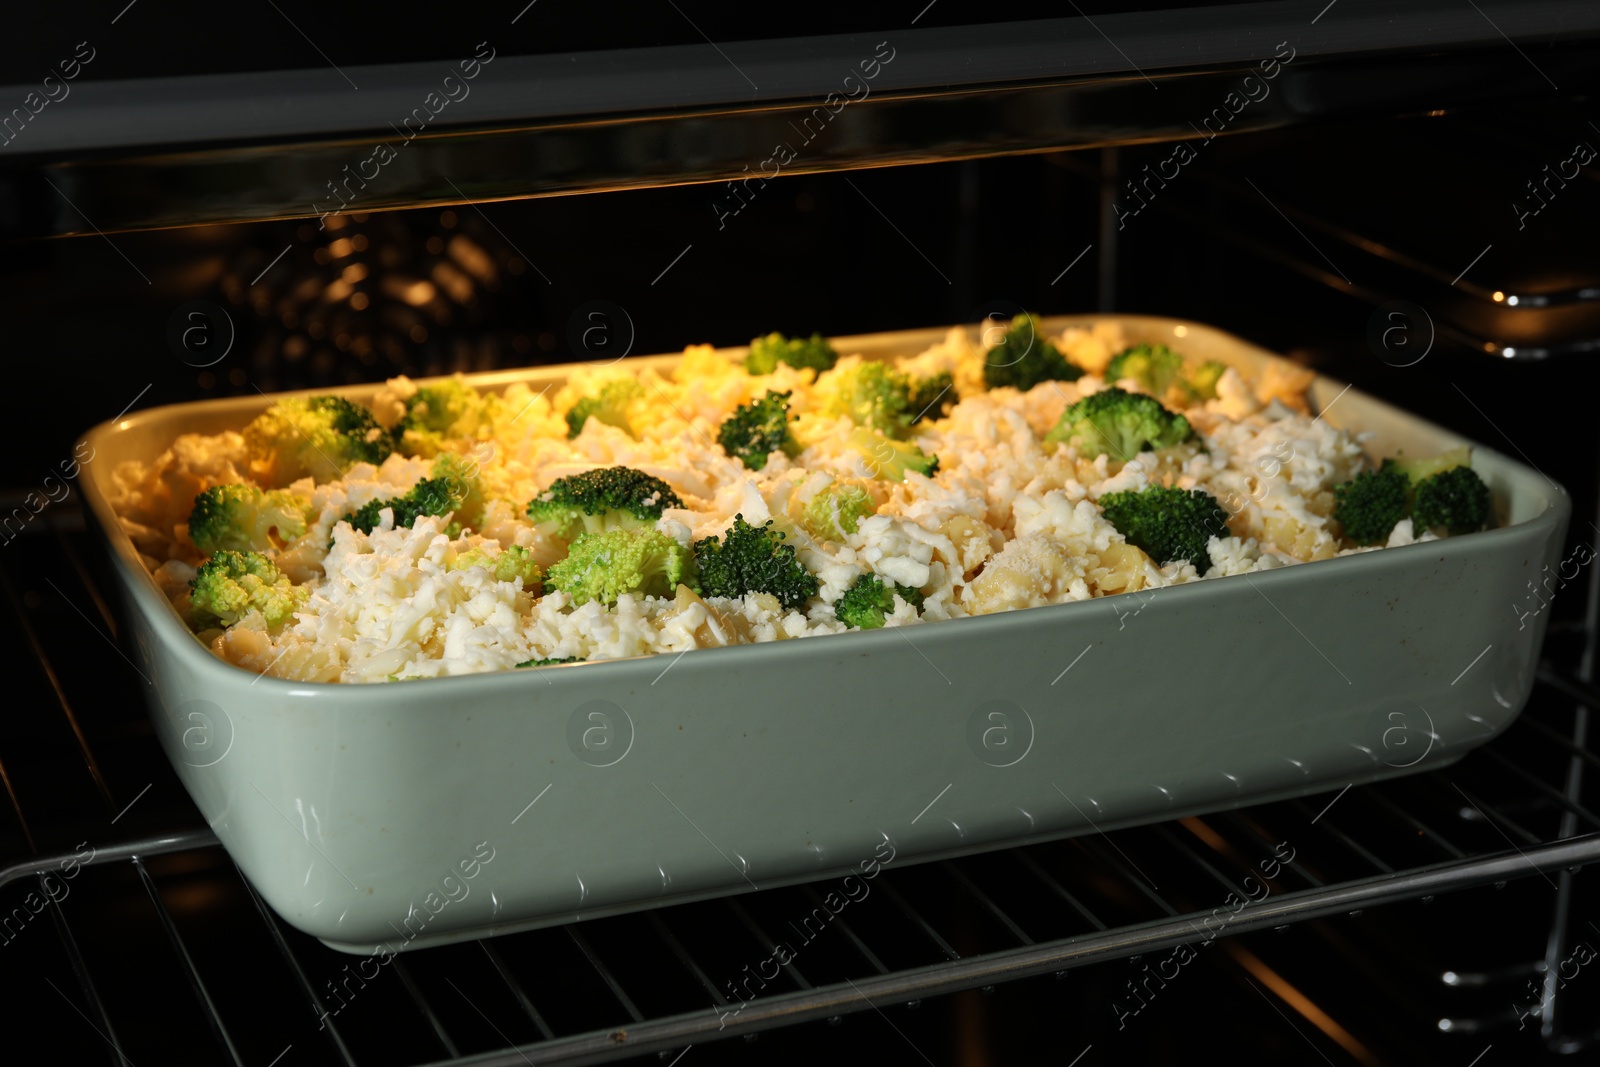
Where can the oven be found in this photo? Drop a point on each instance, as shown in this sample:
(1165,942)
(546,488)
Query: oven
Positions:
(1401,196)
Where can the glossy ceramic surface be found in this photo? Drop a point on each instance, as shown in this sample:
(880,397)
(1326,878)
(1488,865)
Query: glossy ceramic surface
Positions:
(431,811)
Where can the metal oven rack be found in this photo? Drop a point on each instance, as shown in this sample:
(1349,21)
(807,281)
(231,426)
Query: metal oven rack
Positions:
(155,949)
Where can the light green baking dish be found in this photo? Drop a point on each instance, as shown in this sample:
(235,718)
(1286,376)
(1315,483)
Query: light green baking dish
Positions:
(376,817)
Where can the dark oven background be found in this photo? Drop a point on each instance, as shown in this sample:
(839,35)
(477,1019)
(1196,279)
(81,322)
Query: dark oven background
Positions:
(1371,249)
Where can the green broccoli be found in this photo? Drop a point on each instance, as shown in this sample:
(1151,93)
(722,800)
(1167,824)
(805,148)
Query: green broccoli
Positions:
(1201,383)
(868,600)
(931,397)
(430,496)
(1455,500)
(1025,357)
(438,412)
(244,518)
(515,564)
(870,394)
(462,473)
(610,406)
(753,559)
(875,395)
(1445,492)
(610,498)
(1369,505)
(1438,492)
(320,436)
(231,584)
(836,511)
(756,430)
(1154,367)
(889,460)
(1120,424)
(767,352)
(637,560)
(551,662)
(1168,524)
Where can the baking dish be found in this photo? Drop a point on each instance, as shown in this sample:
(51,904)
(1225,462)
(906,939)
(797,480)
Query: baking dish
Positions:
(380,816)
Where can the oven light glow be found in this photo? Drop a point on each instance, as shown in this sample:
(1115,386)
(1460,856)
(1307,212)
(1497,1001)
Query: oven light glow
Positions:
(1509,353)
(1180,331)
(452,281)
(1511,300)
(1499,296)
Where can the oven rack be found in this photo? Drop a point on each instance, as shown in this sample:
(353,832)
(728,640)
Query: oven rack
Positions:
(663,980)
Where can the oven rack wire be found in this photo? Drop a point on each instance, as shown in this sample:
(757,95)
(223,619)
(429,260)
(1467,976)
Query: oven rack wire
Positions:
(1514,809)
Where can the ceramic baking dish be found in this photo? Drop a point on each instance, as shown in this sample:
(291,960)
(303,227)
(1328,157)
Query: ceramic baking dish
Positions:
(434,811)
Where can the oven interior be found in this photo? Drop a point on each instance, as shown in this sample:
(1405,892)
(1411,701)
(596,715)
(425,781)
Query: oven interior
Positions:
(1435,918)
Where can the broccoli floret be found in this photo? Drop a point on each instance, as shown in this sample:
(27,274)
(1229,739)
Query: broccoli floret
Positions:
(244,518)
(1202,381)
(603,566)
(610,406)
(1025,357)
(230,584)
(1169,524)
(430,496)
(611,498)
(753,559)
(1154,367)
(871,394)
(320,436)
(438,412)
(931,397)
(1455,500)
(767,352)
(889,460)
(515,564)
(868,600)
(756,430)
(1439,492)
(1371,503)
(875,395)
(1120,424)
(551,662)
(462,473)
(836,510)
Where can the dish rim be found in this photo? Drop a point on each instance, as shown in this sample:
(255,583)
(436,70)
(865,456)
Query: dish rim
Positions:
(206,668)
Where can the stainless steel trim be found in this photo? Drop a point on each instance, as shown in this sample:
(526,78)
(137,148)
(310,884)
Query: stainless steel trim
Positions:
(315,102)
(681,116)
